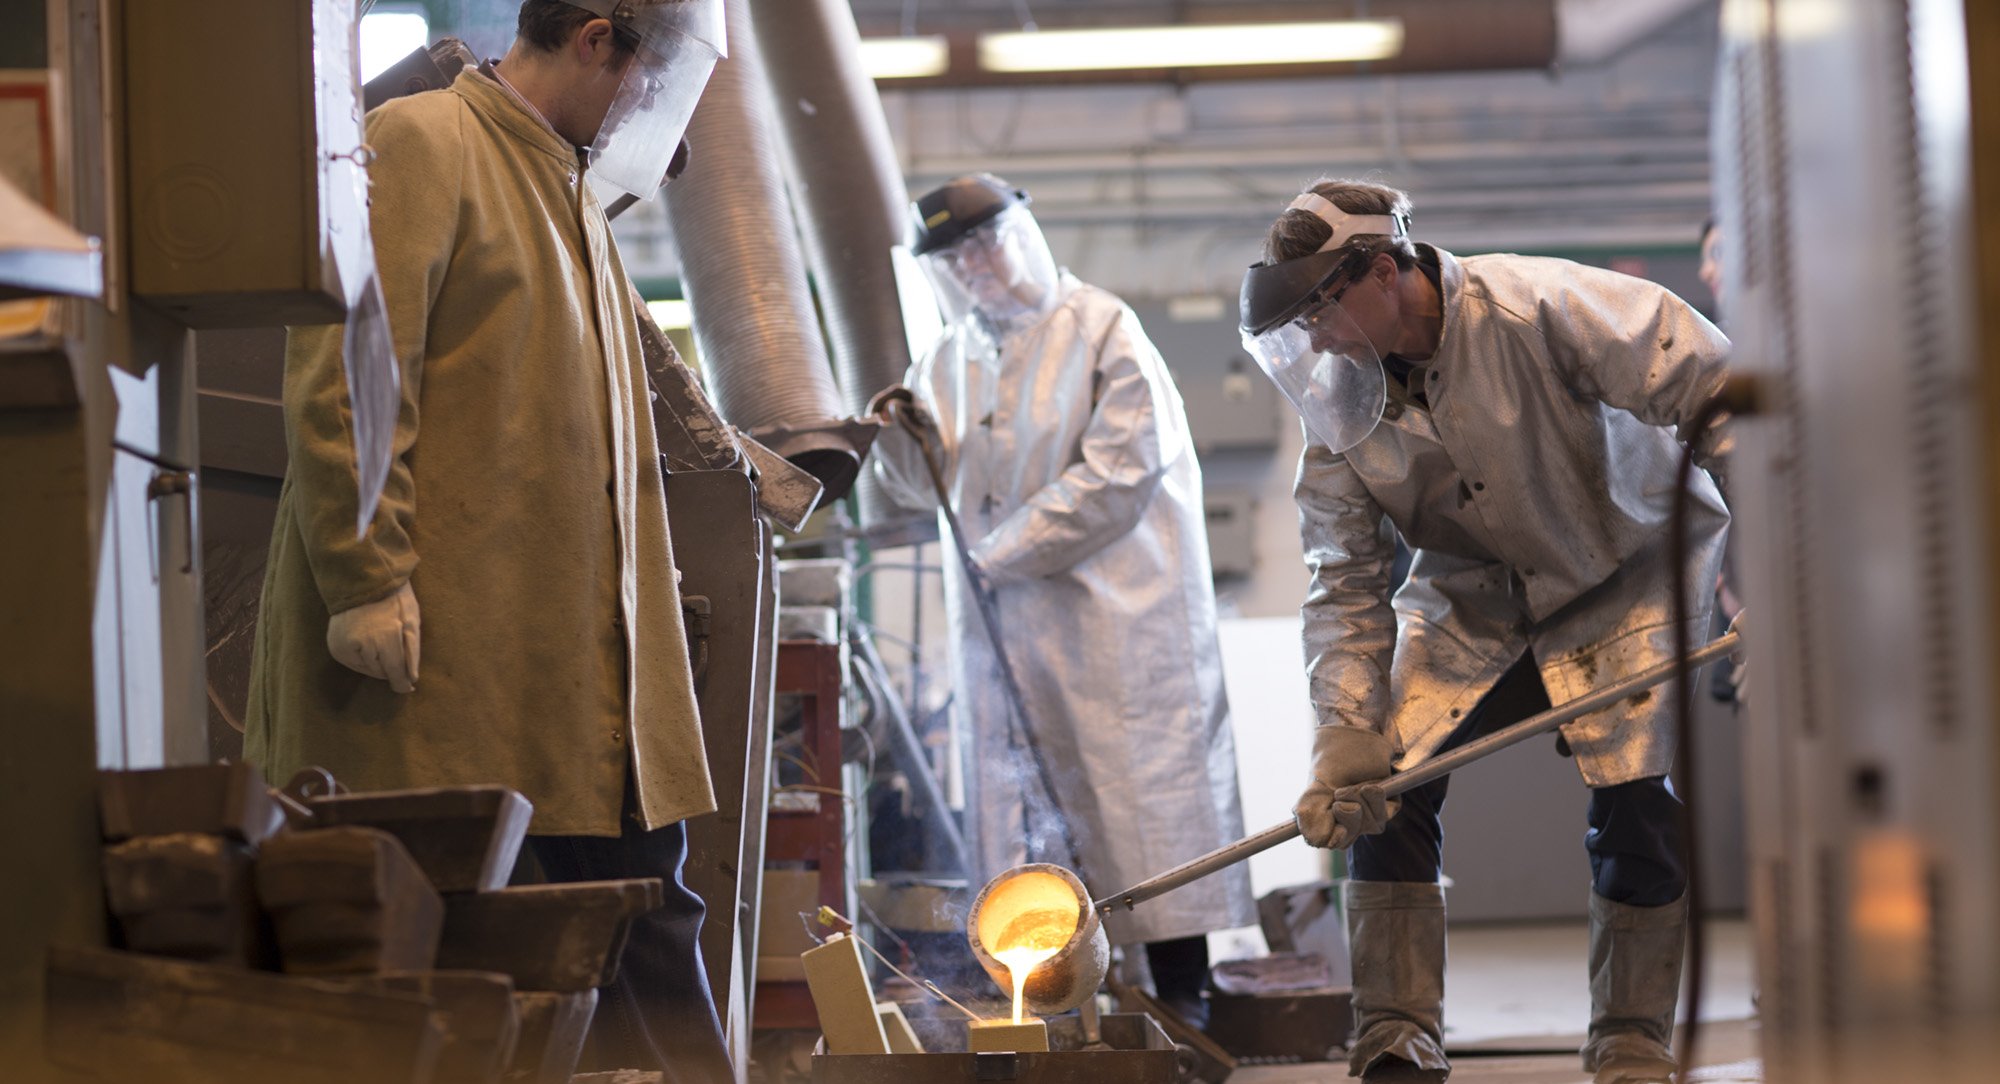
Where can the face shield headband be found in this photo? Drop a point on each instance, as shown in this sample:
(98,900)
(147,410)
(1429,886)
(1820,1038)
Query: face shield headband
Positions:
(679,42)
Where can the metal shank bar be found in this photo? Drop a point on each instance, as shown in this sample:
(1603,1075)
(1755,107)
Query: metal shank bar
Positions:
(976,585)
(1429,770)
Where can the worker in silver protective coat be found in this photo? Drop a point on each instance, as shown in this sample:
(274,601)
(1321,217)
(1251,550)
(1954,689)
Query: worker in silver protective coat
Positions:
(1066,454)
(1513,420)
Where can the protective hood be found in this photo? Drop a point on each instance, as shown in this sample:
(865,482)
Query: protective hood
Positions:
(679,42)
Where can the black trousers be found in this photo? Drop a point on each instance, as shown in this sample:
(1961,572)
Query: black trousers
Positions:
(1634,836)
(1179,966)
(659,1013)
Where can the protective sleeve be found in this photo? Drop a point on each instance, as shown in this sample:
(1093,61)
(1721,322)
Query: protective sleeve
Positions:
(1634,345)
(898,459)
(1103,495)
(1350,628)
(414,211)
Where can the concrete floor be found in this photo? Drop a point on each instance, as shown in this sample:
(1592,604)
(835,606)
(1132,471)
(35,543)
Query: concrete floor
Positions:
(1516,1004)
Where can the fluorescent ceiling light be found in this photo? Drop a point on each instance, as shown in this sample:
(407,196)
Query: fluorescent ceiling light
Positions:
(1190,46)
(904,58)
(672,314)
(389,36)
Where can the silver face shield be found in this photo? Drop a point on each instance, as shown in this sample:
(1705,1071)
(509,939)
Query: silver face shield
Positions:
(1324,363)
(1002,270)
(679,44)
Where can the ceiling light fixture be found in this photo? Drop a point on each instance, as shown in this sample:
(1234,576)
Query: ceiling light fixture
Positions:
(1191,46)
(905,58)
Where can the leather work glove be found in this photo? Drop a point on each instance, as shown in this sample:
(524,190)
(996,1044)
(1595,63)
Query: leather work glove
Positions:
(379,639)
(896,399)
(1345,800)
(878,405)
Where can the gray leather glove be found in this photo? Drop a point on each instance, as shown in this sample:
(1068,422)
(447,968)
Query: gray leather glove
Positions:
(1345,800)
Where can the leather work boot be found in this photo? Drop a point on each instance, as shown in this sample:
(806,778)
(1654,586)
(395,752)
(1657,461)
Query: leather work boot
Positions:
(1635,986)
(1397,935)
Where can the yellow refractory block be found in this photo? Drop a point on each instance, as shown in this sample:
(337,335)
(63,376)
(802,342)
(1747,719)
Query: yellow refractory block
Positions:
(838,979)
(902,1038)
(1000,1036)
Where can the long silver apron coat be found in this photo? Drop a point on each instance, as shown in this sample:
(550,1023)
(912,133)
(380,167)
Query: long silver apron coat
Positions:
(1068,461)
(1535,491)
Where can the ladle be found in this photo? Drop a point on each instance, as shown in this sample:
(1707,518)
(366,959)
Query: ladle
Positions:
(1073,974)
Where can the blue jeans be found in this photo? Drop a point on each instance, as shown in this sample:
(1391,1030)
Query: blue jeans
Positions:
(658,1014)
(1634,835)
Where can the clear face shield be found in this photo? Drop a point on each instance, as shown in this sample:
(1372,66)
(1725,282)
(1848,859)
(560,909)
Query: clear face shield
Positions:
(1322,361)
(1001,270)
(679,44)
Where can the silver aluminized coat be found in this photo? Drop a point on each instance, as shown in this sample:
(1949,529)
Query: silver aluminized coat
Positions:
(1069,463)
(1536,493)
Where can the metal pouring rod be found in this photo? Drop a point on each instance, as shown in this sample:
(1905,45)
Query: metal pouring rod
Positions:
(1435,768)
(985,605)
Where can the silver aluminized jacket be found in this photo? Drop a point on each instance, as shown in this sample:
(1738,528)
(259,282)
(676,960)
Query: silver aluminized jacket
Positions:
(1535,492)
(1069,463)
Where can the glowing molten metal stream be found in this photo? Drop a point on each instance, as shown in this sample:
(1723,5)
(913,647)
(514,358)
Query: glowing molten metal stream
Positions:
(1032,937)
(1024,922)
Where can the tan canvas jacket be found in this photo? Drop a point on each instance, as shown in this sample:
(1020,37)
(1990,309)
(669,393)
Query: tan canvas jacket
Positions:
(525,506)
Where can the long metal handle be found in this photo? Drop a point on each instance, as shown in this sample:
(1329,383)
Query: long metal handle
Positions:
(984,603)
(1435,768)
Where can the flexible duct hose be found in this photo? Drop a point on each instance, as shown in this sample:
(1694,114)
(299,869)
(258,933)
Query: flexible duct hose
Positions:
(745,280)
(843,172)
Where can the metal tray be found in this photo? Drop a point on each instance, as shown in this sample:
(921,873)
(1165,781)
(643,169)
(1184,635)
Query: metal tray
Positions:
(1140,1054)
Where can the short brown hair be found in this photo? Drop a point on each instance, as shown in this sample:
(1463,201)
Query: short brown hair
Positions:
(1300,232)
(548,25)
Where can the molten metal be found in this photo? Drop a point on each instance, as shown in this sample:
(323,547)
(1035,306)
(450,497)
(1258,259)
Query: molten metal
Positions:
(1033,929)
(1029,938)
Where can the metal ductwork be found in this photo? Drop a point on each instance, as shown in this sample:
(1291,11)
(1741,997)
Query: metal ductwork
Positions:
(843,172)
(745,279)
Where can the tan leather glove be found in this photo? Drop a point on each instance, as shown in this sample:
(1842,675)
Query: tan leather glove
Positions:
(379,639)
(1345,800)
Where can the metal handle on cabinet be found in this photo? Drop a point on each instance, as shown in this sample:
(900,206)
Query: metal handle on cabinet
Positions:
(168,482)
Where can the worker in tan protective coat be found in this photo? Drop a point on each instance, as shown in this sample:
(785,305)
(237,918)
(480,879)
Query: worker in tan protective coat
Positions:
(1514,419)
(510,614)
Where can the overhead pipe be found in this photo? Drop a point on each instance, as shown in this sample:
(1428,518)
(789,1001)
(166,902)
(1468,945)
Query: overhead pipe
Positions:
(1593,32)
(854,208)
(741,268)
(1555,155)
